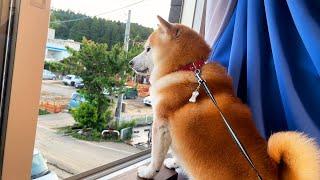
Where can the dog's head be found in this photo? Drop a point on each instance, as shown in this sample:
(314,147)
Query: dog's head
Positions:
(168,48)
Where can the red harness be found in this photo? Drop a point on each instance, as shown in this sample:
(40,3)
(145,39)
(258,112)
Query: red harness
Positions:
(193,66)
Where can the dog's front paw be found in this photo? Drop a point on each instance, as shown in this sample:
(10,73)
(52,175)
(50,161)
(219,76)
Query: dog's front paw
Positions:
(171,163)
(146,172)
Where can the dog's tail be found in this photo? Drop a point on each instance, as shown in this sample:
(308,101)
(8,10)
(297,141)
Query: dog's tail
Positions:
(298,156)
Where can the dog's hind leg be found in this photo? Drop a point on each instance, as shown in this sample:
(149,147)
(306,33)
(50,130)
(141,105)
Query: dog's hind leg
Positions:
(161,141)
(171,163)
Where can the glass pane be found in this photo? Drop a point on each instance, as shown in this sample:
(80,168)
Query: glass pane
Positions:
(86,123)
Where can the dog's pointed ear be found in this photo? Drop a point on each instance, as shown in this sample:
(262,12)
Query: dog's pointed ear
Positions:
(164,25)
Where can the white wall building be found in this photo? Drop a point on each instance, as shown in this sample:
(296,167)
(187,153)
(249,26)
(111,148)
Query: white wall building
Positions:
(56,48)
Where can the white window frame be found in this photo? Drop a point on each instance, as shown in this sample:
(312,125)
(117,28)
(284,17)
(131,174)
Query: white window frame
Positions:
(192,13)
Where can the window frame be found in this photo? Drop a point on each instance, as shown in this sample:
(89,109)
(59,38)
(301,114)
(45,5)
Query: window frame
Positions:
(19,108)
(192,14)
(12,15)
(112,167)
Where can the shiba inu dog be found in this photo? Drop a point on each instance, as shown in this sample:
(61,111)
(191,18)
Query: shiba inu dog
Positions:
(195,131)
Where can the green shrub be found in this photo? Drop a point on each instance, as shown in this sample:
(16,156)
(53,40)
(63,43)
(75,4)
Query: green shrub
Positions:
(56,67)
(43,112)
(86,115)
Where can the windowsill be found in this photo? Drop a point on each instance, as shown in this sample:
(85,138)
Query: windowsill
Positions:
(112,167)
(126,169)
(131,173)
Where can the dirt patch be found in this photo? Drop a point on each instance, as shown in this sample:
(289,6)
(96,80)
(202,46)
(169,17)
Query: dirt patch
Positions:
(53,97)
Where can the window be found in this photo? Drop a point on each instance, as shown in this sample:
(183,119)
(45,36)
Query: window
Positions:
(21,70)
(68,143)
(96,111)
(68,77)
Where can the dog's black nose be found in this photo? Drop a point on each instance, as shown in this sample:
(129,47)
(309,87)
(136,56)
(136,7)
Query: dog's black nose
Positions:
(131,63)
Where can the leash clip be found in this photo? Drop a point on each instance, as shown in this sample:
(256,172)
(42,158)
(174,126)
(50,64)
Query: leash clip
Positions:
(195,93)
(197,73)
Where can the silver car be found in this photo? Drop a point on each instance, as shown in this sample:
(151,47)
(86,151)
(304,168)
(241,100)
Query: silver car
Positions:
(147,101)
(48,75)
(72,80)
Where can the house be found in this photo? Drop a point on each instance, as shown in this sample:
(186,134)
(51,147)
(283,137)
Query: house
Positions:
(56,49)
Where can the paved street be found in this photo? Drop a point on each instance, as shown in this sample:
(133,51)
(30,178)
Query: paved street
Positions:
(70,156)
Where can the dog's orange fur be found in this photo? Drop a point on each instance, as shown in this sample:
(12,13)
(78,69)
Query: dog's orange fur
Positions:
(199,137)
(297,153)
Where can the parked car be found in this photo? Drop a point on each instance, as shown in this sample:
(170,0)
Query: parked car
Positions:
(48,75)
(71,80)
(147,101)
(115,91)
(79,85)
(130,93)
(39,170)
(75,101)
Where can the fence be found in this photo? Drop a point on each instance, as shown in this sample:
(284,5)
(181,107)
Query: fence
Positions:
(52,107)
(140,120)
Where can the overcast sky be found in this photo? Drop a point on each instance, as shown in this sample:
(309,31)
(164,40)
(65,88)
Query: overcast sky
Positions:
(143,12)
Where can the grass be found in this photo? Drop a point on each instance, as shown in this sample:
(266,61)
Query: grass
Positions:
(92,134)
(143,120)
(126,124)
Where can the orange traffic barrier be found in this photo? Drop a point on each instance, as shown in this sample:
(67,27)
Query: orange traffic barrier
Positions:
(51,107)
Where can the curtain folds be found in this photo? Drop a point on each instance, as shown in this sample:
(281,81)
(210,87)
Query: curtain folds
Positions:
(272,51)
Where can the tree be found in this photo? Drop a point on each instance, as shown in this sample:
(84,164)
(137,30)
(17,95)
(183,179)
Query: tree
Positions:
(101,70)
(71,64)
(134,50)
(56,67)
(97,29)
(80,29)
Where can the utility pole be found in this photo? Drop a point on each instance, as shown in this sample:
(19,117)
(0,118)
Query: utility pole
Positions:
(127,33)
(126,48)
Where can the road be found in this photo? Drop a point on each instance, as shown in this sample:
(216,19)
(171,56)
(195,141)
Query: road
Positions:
(70,156)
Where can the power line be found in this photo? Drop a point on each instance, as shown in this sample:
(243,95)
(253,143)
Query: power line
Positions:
(107,12)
